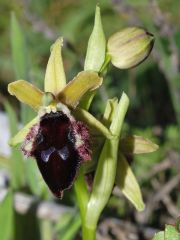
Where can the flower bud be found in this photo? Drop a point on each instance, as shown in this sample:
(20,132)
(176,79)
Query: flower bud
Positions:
(129,47)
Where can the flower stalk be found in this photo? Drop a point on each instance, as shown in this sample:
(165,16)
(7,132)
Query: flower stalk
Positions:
(105,172)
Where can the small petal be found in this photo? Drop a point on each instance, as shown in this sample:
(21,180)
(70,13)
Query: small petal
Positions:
(26,93)
(21,135)
(128,184)
(137,145)
(85,81)
(55,79)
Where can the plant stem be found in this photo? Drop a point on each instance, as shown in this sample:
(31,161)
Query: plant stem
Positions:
(82,194)
(89,233)
(105,172)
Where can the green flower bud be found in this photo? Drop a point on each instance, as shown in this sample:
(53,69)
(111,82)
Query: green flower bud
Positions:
(129,47)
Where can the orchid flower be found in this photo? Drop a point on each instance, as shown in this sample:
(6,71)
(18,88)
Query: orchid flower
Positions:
(57,137)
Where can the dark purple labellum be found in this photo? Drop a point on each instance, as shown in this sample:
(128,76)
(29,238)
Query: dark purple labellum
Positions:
(55,151)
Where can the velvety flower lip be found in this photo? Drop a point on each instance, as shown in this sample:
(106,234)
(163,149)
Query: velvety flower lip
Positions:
(57,141)
(60,146)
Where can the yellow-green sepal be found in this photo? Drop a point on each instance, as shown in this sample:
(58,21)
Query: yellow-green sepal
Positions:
(20,136)
(26,93)
(127,183)
(85,81)
(55,79)
(137,145)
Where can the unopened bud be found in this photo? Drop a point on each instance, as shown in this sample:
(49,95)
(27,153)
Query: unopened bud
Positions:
(129,47)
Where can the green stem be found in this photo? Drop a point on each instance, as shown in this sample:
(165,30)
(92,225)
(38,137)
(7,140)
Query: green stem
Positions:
(105,172)
(89,233)
(105,64)
(82,194)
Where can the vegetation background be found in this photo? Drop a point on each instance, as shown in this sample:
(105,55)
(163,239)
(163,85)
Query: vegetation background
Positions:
(27,30)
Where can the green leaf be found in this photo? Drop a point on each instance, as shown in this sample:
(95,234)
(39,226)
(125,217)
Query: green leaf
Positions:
(4,161)
(63,222)
(178,224)
(95,55)
(6,217)
(159,236)
(128,184)
(46,229)
(67,226)
(137,145)
(71,229)
(19,49)
(20,60)
(24,223)
(33,177)
(171,233)
(13,124)
(16,160)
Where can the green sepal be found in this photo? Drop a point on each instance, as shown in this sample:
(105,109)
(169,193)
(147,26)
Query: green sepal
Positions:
(26,93)
(55,79)
(127,183)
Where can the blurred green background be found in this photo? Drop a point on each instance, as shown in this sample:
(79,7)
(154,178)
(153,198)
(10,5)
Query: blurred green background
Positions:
(27,30)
